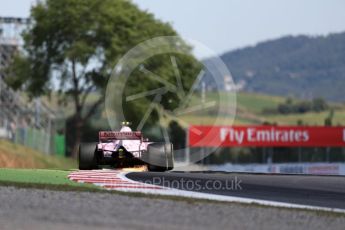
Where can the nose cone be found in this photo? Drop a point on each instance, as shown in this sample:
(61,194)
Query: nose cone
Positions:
(125,129)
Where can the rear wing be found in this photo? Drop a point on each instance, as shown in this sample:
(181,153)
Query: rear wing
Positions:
(115,135)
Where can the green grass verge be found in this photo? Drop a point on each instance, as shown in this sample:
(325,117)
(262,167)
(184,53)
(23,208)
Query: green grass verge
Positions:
(41,178)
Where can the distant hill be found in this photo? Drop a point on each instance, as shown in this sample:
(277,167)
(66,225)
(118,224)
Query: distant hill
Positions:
(299,66)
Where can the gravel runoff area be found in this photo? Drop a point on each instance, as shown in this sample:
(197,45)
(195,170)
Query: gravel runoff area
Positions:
(44,209)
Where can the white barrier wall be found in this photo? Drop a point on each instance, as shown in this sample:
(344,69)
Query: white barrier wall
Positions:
(293,168)
(4,133)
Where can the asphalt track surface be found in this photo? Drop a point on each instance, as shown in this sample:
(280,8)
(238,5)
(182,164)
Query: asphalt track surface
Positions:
(321,191)
(38,209)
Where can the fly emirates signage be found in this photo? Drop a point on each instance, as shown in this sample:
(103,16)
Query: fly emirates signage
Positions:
(284,136)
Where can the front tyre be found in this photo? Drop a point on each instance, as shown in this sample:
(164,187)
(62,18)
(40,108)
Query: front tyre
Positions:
(87,156)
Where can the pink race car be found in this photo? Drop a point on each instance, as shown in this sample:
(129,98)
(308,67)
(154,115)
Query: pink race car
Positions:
(125,148)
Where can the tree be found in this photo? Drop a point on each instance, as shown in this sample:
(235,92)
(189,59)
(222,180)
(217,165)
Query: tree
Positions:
(319,104)
(284,108)
(300,122)
(72,47)
(303,107)
(329,118)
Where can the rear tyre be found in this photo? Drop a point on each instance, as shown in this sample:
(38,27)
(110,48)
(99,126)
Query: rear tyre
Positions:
(159,157)
(87,156)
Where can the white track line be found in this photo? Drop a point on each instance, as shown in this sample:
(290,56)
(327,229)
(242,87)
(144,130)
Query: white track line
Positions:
(111,180)
(116,180)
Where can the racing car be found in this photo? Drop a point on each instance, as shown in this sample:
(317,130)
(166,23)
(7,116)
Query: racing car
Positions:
(125,148)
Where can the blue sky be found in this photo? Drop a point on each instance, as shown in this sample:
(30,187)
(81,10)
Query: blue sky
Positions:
(225,25)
